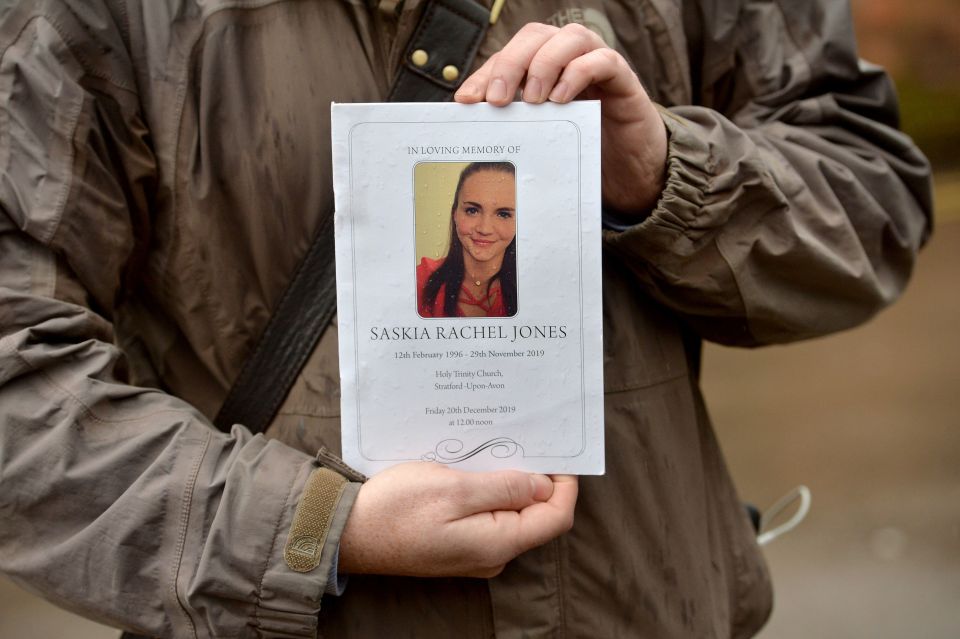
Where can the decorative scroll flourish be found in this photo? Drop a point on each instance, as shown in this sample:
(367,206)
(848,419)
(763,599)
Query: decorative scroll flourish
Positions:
(450,451)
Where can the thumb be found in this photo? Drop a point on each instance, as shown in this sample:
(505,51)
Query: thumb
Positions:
(503,490)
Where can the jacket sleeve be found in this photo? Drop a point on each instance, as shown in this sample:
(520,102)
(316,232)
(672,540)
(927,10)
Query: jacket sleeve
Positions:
(122,503)
(793,206)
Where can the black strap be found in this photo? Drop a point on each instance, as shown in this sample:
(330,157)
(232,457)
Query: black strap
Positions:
(298,321)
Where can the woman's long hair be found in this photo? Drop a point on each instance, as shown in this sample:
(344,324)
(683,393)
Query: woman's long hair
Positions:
(450,274)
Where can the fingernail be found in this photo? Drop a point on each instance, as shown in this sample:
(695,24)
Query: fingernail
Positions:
(542,487)
(467,91)
(559,93)
(532,90)
(497,91)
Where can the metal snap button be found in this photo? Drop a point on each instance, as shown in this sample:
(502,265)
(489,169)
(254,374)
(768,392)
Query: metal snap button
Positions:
(419,57)
(450,73)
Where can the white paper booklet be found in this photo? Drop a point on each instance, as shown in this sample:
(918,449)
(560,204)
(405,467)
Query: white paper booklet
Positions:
(469,285)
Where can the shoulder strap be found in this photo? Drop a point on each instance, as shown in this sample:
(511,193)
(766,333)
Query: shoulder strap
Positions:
(436,61)
(298,321)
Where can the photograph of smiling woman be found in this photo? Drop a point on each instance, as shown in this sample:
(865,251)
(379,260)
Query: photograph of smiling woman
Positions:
(478,276)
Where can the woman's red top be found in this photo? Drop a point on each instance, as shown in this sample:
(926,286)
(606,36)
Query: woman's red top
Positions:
(492,305)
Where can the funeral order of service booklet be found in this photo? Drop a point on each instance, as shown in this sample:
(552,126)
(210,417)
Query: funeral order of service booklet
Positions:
(469,285)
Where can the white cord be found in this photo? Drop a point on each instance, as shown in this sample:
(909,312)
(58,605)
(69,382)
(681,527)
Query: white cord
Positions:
(800,492)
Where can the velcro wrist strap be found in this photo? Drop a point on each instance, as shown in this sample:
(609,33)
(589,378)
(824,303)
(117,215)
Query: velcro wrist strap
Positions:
(311,522)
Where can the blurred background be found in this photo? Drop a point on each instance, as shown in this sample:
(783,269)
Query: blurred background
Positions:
(867,419)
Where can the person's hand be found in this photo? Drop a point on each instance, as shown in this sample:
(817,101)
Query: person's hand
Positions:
(562,64)
(427,520)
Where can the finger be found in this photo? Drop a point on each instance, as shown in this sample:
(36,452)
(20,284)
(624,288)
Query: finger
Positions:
(571,42)
(498,78)
(601,67)
(474,88)
(493,538)
(541,522)
(514,59)
(533,526)
(501,490)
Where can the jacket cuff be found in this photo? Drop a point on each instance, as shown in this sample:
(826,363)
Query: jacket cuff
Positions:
(690,163)
(304,553)
(678,218)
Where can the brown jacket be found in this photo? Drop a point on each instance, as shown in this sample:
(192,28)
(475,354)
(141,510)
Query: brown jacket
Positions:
(165,163)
